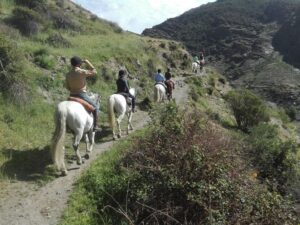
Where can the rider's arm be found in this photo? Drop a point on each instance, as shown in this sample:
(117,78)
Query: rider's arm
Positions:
(89,72)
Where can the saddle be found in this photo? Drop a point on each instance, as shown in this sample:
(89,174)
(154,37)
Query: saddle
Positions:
(161,83)
(127,98)
(88,107)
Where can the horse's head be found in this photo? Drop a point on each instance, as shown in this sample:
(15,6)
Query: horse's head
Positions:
(132,91)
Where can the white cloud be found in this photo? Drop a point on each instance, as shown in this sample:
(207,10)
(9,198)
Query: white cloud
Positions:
(137,15)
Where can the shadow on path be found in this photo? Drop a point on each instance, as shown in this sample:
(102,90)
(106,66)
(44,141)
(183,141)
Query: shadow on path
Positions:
(27,164)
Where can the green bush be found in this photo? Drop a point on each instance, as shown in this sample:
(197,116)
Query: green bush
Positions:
(275,159)
(62,21)
(248,109)
(42,58)
(291,112)
(26,20)
(13,81)
(185,171)
(32,3)
(58,41)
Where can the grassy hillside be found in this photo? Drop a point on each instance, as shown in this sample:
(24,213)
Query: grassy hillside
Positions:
(37,40)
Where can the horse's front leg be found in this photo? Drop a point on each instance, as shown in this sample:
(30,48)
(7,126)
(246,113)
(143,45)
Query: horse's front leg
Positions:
(76,147)
(119,124)
(129,125)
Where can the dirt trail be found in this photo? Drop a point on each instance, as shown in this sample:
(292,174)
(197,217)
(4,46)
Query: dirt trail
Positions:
(28,204)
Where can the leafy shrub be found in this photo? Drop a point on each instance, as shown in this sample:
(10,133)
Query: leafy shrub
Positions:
(42,58)
(275,159)
(63,21)
(162,45)
(32,3)
(9,31)
(60,3)
(248,109)
(184,172)
(11,72)
(57,40)
(172,46)
(291,112)
(116,28)
(26,20)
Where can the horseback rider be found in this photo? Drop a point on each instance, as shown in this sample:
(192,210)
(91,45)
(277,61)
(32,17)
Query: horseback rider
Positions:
(76,84)
(123,88)
(159,78)
(201,61)
(195,59)
(169,83)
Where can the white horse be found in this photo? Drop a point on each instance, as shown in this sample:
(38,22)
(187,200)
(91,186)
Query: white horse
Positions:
(117,106)
(159,92)
(195,67)
(73,115)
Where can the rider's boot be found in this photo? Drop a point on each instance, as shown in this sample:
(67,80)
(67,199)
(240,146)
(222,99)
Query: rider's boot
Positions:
(95,126)
(133,105)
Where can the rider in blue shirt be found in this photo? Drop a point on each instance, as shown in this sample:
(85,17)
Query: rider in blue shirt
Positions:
(159,77)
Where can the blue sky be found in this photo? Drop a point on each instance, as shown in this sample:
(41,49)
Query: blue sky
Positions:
(137,15)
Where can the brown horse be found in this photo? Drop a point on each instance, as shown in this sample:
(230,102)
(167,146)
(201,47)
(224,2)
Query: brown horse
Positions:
(170,87)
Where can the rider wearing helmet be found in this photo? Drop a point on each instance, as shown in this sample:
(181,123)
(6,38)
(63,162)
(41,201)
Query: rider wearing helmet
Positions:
(76,83)
(123,88)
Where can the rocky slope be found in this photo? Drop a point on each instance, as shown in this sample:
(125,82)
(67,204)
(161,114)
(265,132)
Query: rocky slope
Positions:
(253,43)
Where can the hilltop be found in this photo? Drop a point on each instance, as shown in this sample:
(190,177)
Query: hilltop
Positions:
(253,43)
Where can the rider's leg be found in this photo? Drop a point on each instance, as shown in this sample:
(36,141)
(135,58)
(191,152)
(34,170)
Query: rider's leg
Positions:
(95,113)
(96,116)
(132,101)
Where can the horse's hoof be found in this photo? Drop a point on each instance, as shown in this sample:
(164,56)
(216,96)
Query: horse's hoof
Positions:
(64,173)
(79,162)
(86,156)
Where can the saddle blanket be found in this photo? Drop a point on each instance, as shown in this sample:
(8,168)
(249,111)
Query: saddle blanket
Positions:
(88,107)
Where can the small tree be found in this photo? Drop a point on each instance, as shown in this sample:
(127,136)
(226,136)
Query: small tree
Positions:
(248,109)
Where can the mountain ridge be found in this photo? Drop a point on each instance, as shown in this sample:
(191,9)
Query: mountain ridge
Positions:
(253,43)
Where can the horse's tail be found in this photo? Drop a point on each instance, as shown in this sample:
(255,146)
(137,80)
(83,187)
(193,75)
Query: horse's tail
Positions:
(111,112)
(57,147)
(156,94)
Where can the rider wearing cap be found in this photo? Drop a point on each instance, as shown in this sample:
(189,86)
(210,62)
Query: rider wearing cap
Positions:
(76,83)
(123,88)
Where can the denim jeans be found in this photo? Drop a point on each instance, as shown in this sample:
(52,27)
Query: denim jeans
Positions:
(85,97)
